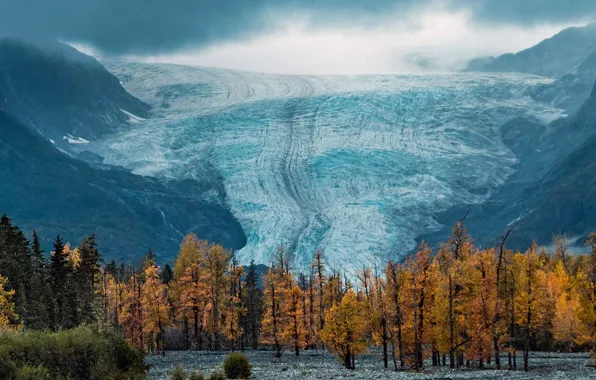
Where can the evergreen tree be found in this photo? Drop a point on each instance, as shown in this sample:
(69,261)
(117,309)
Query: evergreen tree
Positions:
(61,283)
(166,275)
(253,302)
(15,264)
(40,294)
(87,280)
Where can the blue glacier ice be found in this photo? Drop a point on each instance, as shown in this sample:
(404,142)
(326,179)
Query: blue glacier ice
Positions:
(355,165)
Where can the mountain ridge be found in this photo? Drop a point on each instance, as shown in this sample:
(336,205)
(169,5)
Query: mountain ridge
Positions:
(552,57)
(66,96)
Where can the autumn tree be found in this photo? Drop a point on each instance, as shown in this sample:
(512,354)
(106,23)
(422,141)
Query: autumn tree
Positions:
(8,316)
(345,329)
(130,308)
(394,274)
(420,293)
(272,326)
(189,289)
(318,267)
(216,262)
(234,310)
(482,307)
(155,307)
(277,321)
(529,300)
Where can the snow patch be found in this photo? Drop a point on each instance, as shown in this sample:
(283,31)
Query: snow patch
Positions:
(132,118)
(74,140)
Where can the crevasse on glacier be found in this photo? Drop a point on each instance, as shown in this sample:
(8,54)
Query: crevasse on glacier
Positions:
(357,166)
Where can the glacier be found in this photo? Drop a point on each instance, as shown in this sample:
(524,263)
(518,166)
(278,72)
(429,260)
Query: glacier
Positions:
(354,165)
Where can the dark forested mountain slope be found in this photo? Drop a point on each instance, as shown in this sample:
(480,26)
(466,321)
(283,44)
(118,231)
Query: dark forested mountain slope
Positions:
(553,190)
(47,190)
(58,91)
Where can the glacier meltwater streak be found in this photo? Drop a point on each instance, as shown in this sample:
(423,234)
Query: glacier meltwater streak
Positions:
(356,166)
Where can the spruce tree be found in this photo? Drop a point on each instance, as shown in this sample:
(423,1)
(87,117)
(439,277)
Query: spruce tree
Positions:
(252,301)
(40,294)
(166,275)
(60,276)
(86,279)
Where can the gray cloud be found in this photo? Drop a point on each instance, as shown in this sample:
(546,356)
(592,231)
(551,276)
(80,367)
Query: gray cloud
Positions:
(157,26)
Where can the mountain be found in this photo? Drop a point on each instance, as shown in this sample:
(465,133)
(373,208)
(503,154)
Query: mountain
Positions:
(553,57)
(572,89)
(564,200)
(64,95)
(358,166)
(553,190)
(54,101)
(50,191)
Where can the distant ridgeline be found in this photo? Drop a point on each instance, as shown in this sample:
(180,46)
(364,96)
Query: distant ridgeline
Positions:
(455,306)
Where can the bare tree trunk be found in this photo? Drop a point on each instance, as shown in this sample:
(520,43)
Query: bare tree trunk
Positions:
(385,342)
(451,327)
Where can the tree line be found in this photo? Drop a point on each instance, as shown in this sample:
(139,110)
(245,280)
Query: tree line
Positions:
(460,305)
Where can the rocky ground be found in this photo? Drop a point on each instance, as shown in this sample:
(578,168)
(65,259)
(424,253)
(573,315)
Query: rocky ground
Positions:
(320,365)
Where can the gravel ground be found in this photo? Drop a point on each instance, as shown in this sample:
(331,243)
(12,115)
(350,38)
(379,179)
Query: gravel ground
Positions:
(321,365)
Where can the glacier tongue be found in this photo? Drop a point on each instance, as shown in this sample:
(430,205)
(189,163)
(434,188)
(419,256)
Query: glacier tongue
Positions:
(357,166)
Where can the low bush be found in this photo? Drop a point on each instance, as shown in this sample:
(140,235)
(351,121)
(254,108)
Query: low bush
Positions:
(81,353)
(8,369)
(237,366)
(34,373)
(217,375)
(196,376)
(178,374)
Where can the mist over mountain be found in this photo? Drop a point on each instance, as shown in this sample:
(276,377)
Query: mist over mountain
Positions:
(552,57)
(569,57)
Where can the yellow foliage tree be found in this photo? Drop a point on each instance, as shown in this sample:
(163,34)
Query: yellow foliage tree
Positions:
(234,311)
(155,307)
(530,300)
(345,328)
(7,313)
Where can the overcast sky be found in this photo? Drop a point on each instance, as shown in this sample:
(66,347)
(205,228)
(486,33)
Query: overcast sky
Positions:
(297,36)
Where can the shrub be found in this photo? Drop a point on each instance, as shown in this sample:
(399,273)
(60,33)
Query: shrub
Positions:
(34,373)
(8,369)
(178,374)
(196,376)
(81,353)
(237,366)
(217,375)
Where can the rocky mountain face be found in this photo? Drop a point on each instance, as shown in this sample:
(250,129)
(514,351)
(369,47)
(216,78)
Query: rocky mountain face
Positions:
(569,57)
(572,89)
(552,57)
(553,190)
(47,190)
(64,95)
(56,100)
